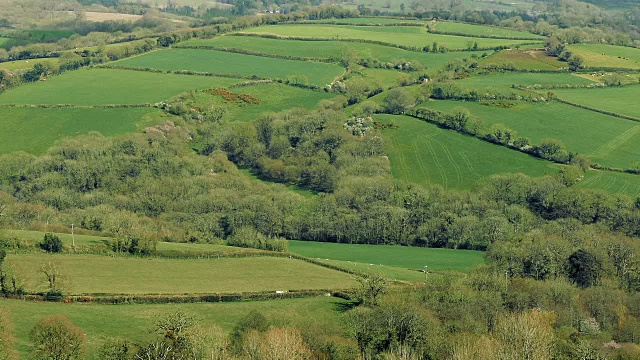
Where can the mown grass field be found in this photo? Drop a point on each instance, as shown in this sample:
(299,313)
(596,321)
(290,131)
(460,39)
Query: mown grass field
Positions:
(480,30)
(605,139)
(109,86)
(601,55)
(369,20)
(504,81)
(613,182)
(134,322)
(329,49)
(401,35)
(273,98)
(391,255)
(26,64)
(619,100)
(523,59)
(34,130)
(89,274)
(222,62)
(422,153)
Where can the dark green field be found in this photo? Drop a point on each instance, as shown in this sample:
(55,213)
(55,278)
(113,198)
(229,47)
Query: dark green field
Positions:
(618,100)
(221,62)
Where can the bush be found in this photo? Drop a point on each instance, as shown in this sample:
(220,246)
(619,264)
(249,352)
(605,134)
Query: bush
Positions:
(51,243)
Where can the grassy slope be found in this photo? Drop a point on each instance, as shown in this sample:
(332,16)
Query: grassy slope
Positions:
(524,59)
(606,139)
(391,255)
(480,30)
(329,49)
(401,35)
(505,80)
(422,153)
(102,274)
(232,63)
(109,86)
(613,182)
(26,64)
(600,55)
(622,101)
(134,321)
(35,130)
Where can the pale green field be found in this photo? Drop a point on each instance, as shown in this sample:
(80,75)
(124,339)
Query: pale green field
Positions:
(91,274)
(401,35)
(221,62)
(504,81)
(480,30)
(109,86)
(600,55)
(26,64)
(422,153)
(524,59)
(605,139)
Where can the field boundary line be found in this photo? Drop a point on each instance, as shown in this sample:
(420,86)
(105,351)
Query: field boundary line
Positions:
(71,106)
(605,112)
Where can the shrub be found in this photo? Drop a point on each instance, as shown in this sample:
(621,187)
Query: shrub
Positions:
(55,337)
(51,243)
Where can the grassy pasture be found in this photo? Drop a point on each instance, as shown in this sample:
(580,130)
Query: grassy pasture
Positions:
(3,40)
(605,139)
(481,30)
(34,130)
(373,20)
(422,153)
(600,55)
(391,255)
(121,275)
(524,59)
(613,182)
(109,86)
(26,64)
(619,100)
(273,98)
(134,321)
(503,81)
(401,35)
(329,49)
(232,63)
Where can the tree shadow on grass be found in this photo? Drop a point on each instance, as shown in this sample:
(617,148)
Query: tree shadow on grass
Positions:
(344,306)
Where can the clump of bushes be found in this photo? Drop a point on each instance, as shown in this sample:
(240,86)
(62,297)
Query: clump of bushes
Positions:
(51,243)
(248,237)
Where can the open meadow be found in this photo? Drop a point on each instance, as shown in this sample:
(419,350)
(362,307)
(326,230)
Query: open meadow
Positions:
(329,50)
(109,86)
(412,36)
(504,81)
(95,274)
(612,182)
(523,59)
(618,100)
(221,62)
(608,56)
(134,322)
(26,64)
(422,153)
(481,31)
(34,130)
(605,139)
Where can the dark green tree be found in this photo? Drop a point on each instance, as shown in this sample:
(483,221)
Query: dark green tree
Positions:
(585,268)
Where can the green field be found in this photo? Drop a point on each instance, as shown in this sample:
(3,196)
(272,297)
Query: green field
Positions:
(369,20)
(391,255)
(133,322)
(619,100)
(422,153)
(3,40)
(109,86)
(88,274)
(329,49)
(503,81)
(402,35)
(273,98)
(605,139)
(34,130)
(524,59)
(26,64)
(613,182)
(480,30)
(601,55)
(222,62)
